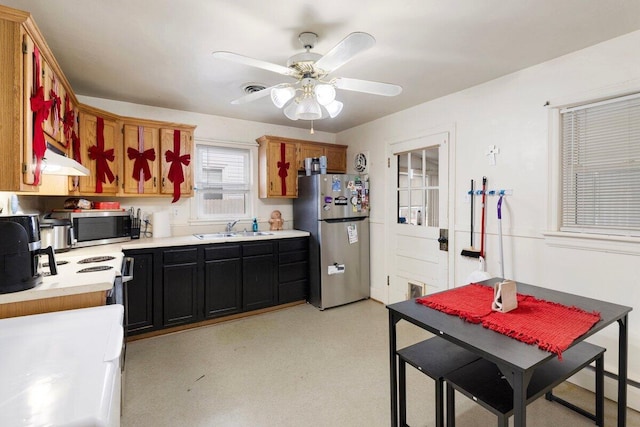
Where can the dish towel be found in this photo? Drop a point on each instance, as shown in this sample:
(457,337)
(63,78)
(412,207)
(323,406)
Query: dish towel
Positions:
(549,325)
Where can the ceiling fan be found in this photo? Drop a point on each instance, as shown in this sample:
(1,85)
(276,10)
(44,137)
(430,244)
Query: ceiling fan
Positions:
(312,96)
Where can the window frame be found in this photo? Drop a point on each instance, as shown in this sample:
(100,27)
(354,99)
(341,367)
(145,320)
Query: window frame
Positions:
(252,195)
(582,240)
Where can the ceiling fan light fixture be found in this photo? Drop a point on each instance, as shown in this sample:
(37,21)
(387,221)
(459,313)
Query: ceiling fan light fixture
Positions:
(281,95)
(325,94)
(308,109)
(334,108)
(290,110)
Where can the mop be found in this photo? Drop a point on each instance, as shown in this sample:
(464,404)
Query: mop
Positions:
(500,236)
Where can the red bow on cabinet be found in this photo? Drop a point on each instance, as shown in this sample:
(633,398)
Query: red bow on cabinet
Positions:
(282,168)
(175,170)
(40,108)
(141,162)
(55,110)
(68,119)
(102,157)
(75,144)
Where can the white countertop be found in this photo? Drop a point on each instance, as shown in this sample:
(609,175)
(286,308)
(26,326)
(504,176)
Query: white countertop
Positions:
(69,282)
(192,240)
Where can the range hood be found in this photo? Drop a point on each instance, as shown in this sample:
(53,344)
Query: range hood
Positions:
(57,164)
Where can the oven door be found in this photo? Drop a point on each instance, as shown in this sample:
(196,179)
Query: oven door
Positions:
(118,295)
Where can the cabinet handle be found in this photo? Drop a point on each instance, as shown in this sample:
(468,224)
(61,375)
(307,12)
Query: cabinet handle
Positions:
(155,181)
(163,181)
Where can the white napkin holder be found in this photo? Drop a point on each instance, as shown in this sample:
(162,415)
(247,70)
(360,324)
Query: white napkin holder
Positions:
(505,296)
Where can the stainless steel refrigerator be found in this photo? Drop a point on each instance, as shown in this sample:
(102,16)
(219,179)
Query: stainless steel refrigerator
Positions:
(334,209)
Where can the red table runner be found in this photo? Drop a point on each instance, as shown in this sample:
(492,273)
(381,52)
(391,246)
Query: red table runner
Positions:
(551,326)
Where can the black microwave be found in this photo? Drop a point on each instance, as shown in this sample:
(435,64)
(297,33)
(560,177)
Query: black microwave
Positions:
(96,227)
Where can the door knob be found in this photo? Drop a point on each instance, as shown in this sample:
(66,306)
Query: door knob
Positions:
(444,239)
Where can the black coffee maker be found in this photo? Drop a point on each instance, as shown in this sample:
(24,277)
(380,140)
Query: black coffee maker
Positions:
(20,250)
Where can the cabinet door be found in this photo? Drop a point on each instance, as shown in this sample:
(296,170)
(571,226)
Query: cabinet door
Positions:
(89,139)
(222,287)
(143,141)
(309,150)
(179,286)
(257,282)
(182,158)
(281,169)
(336,159)
(258,276)
(28,169)
(140,295)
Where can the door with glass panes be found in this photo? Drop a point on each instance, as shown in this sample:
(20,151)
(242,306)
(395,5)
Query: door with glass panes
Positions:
(418,183)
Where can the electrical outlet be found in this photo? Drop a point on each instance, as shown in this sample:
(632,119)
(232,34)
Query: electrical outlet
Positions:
(175,212)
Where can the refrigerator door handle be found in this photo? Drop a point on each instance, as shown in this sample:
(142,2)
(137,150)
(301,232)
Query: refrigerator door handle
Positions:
(356,219)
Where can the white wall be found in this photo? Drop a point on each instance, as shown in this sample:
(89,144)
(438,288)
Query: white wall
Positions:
(208,128)
(509,112)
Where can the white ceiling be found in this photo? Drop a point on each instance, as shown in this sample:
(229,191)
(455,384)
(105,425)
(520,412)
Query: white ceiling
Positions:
(158,52)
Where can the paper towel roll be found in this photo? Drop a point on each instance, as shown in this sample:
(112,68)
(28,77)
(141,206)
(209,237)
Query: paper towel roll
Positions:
(161,224)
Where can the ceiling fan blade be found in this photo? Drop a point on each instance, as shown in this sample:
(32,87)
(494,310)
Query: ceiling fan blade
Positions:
(252,62)
(253,96)
(342,53)
(375,88)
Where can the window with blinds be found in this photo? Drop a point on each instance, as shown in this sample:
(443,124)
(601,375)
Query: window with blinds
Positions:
(222,182)
(601,167)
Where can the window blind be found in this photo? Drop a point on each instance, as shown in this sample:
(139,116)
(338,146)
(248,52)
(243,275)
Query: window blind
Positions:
(222,180)
(601,167)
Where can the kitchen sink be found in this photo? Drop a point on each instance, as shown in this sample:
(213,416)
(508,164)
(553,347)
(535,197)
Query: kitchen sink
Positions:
(224,235)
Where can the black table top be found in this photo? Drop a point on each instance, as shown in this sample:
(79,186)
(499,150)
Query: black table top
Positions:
(494,346)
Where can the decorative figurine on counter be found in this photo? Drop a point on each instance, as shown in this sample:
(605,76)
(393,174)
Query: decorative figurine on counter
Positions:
(276,221)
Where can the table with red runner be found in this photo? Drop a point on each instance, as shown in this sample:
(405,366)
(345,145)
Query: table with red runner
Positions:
(549,325)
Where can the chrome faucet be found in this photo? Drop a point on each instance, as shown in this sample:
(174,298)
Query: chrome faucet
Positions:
(230,225)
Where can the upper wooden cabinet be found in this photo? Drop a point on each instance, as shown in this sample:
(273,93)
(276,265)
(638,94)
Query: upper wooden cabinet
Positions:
(277,159)
(100,152)
(176,157)
(281,159)
(23,52)
(151,150)
(336,155)
(141,159)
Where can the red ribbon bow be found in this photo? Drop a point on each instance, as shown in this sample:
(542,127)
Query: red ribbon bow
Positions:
(56,102)
(102,157)
(67,121)
(40,108)
(175,170)
(282,168)
(141,162)
(75,144)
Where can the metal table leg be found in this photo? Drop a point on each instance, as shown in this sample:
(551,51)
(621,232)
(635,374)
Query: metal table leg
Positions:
(623,344)
(393,369)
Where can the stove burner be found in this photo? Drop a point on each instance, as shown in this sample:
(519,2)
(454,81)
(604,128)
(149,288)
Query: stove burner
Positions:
(96,259)
(46,264)
(95,268)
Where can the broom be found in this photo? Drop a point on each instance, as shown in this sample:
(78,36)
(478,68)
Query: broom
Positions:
(481,274)
(471,252)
